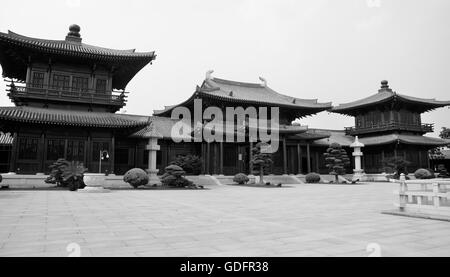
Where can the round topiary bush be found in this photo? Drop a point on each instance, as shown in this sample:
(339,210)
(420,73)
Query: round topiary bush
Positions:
(312,178)
(423,173)
(240,178)
(136,177)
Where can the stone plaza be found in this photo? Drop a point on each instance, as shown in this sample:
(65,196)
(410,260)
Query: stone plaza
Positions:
(222,220)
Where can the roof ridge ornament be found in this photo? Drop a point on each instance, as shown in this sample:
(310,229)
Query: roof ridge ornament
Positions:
(264,81)
(74,33)
(208,74)
(385,86)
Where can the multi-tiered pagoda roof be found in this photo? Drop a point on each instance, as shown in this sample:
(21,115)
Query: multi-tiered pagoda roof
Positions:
(16,51)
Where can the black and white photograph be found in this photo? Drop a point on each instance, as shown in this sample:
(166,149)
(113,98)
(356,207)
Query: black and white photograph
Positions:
(253,129)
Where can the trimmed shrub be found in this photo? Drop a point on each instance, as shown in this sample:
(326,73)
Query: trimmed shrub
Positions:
(336,159)
(240,178)
(136,177)
(312,178)
(191,164)
(443,173)
(261,160)
(56,171)
(72,175)
(173,177)
(423,173)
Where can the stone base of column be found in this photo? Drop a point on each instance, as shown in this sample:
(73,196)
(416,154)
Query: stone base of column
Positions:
(358,175)
(94,190)
(153,177)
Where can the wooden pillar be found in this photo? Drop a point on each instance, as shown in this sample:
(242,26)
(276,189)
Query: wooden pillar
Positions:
(308,158)
(66,142)
(299,158)
(89,151)
(317,162)
(41,152)
(221,158)
(111,155)
(203,154)
(250,164)
(208,158)
(14,149)
(285,171)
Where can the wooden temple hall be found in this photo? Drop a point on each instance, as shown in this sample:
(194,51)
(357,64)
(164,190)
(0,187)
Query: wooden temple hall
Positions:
(67,95)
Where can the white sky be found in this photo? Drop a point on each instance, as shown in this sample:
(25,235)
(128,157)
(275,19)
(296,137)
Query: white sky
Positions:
(335,51)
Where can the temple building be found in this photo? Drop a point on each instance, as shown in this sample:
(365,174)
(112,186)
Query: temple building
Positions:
(389,124)
(66,95)
(294,155)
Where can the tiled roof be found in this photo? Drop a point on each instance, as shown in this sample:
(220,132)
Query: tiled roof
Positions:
(6,138)
(311,134)
(160,127)
(257,93)
(251,93)
(345,140)
(71,118)
(65,47)
(387,95)
(337,136)
(15,50)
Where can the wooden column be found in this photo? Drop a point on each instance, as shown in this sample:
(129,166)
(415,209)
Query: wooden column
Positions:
(13,161)
(111,155)
(41,152)
(66,142)
(285,171)
(250,164)
(221,158)
(208,158)
(89,151)
(308,158)
(299,158)
(317,162)
(203,153)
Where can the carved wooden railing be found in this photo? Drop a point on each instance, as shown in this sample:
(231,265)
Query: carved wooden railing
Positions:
(18,89)
(388,126)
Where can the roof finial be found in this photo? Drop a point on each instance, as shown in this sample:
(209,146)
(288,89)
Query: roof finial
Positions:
(208,74)
(264,81)
(74,33)
(384,86)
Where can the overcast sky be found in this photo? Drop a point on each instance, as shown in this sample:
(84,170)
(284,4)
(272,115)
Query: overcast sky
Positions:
(335,51)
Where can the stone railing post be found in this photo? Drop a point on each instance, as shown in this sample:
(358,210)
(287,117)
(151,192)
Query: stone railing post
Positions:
(402,192)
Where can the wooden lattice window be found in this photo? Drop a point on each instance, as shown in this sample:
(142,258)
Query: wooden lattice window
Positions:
(55,149)
(80,84)
(38,80)
(61,81)
(100,86)
(28,148)
(75,150)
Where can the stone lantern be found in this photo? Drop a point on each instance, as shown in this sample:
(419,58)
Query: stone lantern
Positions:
(358,172)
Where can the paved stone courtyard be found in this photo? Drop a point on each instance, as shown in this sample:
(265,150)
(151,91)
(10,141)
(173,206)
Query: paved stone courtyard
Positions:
(301,220)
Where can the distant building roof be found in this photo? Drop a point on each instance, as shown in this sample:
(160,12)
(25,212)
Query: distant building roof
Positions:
(250,93)
(160,127)
(126,63)
(346,140)
(385,95)
(71,118)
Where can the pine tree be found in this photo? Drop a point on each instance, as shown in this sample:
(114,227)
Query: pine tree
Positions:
(261,161)
(336,159)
